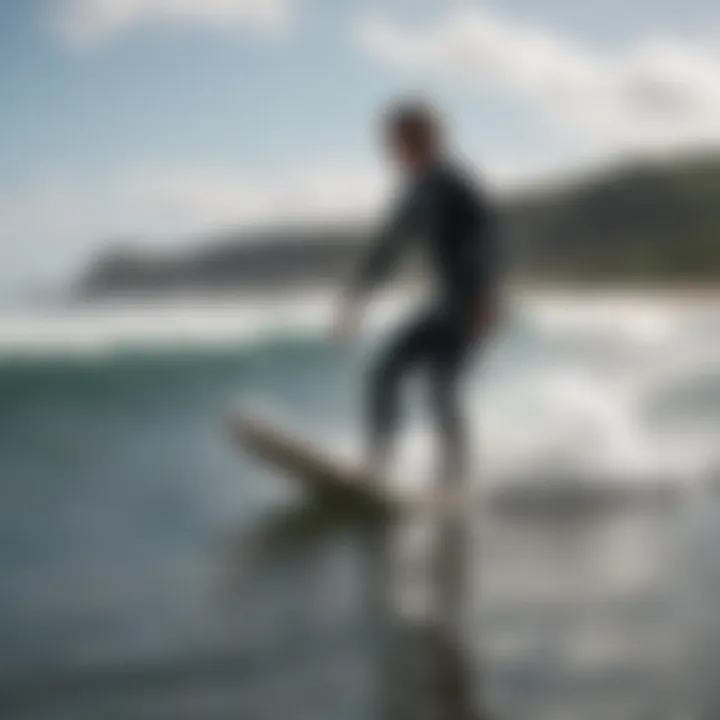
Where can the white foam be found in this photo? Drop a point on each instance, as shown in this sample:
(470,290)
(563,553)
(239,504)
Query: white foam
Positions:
(581,409)
(574,417)
(101,328)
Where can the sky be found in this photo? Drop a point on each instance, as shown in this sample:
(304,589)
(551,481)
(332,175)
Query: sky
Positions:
(160,122)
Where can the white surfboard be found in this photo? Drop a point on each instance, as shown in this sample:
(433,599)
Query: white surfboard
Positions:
(329,476)
(321,471)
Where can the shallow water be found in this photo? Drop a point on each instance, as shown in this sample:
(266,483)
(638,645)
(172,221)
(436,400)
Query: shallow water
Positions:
(149,570)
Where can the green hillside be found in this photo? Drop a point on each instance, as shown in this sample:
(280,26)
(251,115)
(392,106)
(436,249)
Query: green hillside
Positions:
(652,223)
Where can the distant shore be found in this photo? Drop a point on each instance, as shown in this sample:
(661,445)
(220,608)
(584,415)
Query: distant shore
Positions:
(700,290)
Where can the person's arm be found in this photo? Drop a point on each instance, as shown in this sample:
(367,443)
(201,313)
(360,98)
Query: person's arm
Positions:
(407,220)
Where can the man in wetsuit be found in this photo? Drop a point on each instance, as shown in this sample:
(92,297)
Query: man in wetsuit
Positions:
(444,213)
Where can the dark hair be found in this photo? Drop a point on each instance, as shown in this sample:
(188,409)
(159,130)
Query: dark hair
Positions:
(414,121)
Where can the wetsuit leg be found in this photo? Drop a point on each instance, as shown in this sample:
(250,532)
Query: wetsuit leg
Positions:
(412,347)
(450,349)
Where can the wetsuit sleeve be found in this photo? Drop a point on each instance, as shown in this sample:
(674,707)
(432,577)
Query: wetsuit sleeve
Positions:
(408,219)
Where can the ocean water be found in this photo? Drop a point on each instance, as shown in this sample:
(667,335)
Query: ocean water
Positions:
(148,569)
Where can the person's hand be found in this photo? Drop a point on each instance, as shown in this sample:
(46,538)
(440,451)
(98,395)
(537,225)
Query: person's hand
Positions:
(348,320)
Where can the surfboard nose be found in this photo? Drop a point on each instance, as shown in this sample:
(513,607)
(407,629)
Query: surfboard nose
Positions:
(326,476)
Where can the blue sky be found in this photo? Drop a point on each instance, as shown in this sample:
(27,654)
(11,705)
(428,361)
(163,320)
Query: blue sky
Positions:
(163,120)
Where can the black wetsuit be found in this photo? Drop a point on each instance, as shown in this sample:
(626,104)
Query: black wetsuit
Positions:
(446,213)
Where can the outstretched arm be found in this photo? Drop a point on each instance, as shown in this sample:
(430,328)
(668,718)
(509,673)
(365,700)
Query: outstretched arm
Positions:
(407,220)
(404,223)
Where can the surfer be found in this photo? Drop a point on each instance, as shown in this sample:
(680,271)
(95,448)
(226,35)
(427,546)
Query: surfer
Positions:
(444,213)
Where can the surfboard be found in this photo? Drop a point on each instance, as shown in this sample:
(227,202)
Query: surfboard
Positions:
(326,475)
(322,472)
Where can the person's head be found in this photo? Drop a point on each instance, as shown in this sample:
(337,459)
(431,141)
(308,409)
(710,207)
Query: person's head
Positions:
(414,135)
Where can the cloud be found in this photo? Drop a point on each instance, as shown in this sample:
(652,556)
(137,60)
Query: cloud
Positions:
(196,198)
(658,92)
(50,229)
(45,228)
(83,22)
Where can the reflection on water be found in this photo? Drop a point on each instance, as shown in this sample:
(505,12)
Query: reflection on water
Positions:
(582,611)
(567,617)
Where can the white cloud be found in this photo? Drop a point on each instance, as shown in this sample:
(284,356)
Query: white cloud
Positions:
(658,92)
(84,22)
(44,228)
(209,198)
(48,230)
